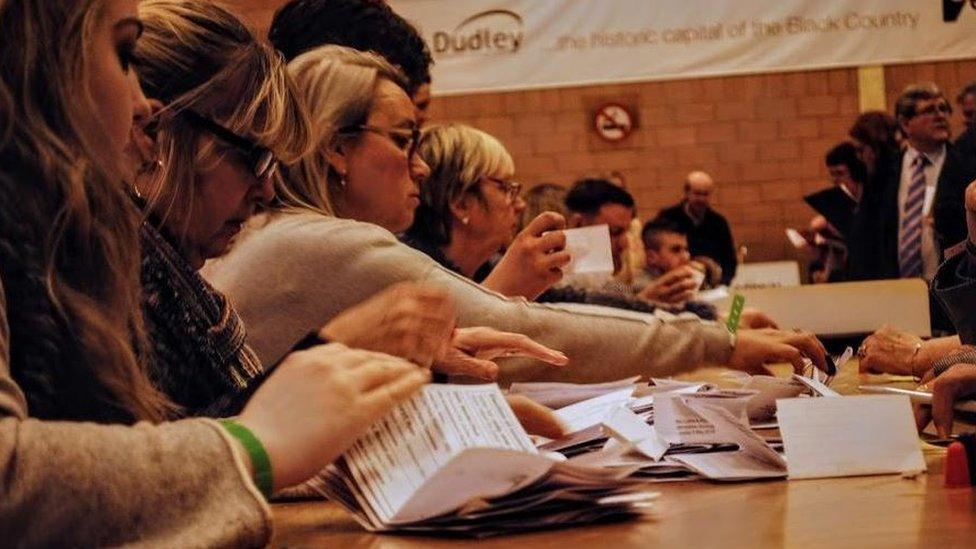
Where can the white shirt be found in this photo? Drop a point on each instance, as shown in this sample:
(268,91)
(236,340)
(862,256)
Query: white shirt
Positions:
(930,250)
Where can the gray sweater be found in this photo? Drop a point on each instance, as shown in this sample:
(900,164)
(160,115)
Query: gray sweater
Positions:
(178,484)
(289,273)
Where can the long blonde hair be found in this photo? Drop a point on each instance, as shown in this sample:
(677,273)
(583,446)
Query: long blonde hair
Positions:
(337,85)
(69,251)
(197,55)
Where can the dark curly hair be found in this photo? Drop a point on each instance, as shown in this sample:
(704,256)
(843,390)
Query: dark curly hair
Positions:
(366,25)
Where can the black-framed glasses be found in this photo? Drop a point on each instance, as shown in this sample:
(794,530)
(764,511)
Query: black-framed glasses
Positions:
(262,162)
(405,139)
(510,188)
(935,108)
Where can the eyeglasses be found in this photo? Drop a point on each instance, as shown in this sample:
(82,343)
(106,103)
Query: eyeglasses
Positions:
(262,162)
(510,188)
(405,139)
(936,108)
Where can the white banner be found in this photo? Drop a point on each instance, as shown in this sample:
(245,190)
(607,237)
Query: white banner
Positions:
(491,45)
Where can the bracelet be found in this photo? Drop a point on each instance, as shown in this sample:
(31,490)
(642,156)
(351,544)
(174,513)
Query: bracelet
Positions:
(913,360)
(260,462)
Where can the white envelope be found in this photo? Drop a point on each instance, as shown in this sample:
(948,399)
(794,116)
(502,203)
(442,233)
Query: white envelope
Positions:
(590,250)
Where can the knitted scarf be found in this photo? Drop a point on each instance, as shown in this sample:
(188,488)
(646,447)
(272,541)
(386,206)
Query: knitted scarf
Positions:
(199,355)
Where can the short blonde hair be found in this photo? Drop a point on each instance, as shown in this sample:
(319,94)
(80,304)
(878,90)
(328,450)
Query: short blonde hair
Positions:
(458,156)
(198,56)
(337,85)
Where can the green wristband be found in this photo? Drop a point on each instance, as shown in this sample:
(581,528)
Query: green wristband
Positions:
(735,313)
(260,462)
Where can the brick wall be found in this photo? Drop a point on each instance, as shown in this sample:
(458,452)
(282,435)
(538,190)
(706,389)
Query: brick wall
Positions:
(762,137)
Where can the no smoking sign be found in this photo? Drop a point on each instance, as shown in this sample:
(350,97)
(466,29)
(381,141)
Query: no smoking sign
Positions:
(613,122)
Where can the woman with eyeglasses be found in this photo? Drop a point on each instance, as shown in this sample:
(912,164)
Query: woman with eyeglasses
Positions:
(87,457)
(203,168)
(469,211)
(299,264)
(203,172)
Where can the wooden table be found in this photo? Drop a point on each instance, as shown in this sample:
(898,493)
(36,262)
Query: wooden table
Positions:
(876,511)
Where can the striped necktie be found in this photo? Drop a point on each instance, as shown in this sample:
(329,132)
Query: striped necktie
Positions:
(910,241)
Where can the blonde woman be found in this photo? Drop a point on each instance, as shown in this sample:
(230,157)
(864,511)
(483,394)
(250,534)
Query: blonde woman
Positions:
(299,265)
(84,460)
(206,166)
(469,211)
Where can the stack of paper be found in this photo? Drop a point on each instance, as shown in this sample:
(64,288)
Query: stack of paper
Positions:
(454,459)
(559,395)
(677,432)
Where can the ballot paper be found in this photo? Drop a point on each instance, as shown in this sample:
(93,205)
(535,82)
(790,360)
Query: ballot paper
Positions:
(592,411)
(590,250)
(678,422)
(713,294)
(629,427)
(412,446)
(664,385)
(848,436)
(455,459)
(762,406)
(710,421)
(560,395)
(817,387)
(796,239)
(673,433)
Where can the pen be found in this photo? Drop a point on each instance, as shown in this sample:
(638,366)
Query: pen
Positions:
(919,397)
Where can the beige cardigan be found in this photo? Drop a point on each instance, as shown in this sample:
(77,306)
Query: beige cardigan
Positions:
(178,484)
(289,273)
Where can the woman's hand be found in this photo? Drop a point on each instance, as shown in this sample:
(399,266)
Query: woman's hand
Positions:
(675,286)
(534,260)
(536,418)
(892,351)
(473,351)
(407,320)
(958,382)
(320,401)
(755,348)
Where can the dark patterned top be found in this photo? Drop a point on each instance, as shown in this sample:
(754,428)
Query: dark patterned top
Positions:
(199,355)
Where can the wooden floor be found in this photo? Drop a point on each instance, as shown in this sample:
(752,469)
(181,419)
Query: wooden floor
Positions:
(879,511)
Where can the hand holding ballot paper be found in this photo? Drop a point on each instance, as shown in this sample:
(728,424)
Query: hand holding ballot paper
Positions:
(454,459)
(535,260)
(589,248)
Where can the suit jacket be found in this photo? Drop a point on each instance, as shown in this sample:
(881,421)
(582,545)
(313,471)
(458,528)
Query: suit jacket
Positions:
(872,254)
(958,172)
(888,266)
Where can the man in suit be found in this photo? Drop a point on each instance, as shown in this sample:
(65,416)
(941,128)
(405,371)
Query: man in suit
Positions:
(911,247)
(708,231)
